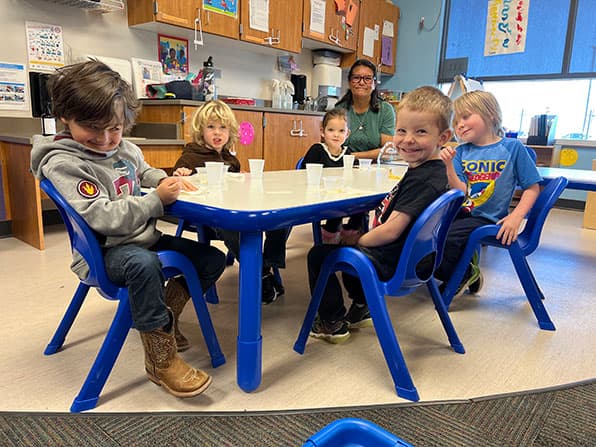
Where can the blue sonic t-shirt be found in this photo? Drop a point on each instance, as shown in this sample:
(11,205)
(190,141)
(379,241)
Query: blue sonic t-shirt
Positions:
(492,173)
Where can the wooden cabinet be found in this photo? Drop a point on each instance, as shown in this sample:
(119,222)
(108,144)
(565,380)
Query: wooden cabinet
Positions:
(287,137)
(280,138)
(219,24)
(546,155)
(284,25)
(255,148)
(377,17)
(337,33)
(173,12)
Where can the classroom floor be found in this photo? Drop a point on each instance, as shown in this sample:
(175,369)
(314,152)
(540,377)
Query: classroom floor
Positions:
(505,349)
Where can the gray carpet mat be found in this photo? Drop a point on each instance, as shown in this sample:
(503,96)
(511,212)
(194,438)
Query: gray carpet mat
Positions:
(564,416)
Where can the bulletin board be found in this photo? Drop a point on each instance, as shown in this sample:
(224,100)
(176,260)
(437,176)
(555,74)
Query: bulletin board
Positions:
(544,47)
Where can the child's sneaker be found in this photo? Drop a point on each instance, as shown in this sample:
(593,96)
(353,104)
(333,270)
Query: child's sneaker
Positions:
(332,332)
(358,317)
(330,238)
(473,280)
(269,291)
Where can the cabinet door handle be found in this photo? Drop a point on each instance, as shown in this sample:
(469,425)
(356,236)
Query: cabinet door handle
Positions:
(294,132)
(333,38)
(198,40)
(275,40)
(302,132)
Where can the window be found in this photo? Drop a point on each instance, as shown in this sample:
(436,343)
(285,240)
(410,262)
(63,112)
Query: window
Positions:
(560,41)
(554,74)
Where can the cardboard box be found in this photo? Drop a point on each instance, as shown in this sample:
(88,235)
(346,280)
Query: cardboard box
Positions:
(590,211)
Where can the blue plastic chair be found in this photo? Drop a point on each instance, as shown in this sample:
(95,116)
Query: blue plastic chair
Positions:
(426,238)
(84,240)
(353,432)
(526,243)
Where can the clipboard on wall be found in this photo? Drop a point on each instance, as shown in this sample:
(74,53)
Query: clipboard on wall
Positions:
(461,84)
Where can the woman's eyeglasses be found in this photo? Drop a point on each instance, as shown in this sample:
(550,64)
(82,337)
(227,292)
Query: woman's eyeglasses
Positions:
(365,79)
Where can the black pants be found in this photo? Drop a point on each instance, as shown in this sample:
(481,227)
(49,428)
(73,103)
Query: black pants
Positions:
(457,238)
(355,222)
(274,246)
(332,304)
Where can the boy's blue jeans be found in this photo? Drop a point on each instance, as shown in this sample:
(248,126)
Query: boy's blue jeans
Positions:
(139,270)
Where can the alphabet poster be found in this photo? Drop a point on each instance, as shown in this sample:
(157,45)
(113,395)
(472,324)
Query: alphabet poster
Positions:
(506,27)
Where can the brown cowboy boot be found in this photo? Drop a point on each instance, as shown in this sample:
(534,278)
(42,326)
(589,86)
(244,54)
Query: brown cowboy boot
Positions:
(176,298)
(166,368)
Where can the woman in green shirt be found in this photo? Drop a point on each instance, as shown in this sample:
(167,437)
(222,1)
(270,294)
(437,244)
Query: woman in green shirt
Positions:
(371,120)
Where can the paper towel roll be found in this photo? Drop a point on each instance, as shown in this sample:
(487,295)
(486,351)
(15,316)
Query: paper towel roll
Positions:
(324,74)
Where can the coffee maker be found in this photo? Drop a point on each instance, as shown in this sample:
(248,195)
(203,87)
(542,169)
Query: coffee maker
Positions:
(326,83)
(299,83)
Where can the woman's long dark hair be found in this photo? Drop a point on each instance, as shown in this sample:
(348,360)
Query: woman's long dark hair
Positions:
(347,100)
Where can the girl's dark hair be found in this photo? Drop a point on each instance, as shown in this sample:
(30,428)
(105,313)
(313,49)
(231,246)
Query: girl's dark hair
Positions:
(92,94)
(347,100)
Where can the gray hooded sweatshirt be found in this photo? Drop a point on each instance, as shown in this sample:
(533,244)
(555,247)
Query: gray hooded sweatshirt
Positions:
(105,189)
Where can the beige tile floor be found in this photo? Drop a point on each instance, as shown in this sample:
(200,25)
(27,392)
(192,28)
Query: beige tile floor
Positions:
(505,349)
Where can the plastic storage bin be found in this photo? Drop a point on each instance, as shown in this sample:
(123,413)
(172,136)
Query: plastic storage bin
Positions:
(352,432)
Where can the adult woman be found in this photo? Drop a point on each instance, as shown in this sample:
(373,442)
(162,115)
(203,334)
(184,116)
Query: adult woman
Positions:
(372,120)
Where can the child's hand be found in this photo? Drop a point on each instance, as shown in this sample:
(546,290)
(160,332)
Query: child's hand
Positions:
(447,154)
(169,189)
(509,230)
(187,185)
(182,172)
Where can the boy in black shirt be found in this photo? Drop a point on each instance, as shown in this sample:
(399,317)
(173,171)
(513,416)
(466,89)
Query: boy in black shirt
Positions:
(422,128)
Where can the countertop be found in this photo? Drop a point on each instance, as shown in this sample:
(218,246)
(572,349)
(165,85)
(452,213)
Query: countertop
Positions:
(189,102)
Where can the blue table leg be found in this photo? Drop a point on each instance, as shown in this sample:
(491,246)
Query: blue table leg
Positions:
(249,356)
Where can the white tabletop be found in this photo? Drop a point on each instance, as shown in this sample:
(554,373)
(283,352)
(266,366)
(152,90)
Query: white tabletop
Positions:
(288,189)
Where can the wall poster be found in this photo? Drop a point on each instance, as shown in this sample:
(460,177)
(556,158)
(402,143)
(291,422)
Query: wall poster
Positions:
(226,7)
(173,54)
(506,27)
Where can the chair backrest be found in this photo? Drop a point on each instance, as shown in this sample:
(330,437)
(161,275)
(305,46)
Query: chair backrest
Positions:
(529,238)
(426,239)
(82,240)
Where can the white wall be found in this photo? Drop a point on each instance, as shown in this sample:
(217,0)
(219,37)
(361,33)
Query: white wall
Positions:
(246,69)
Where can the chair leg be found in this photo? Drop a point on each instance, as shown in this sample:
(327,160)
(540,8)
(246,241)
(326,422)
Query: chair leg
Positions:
(402,380)
(311,312)
(106,357)
(444,316)
(67,320)
(211,295)
(530,287)
(316,233)
(217,357)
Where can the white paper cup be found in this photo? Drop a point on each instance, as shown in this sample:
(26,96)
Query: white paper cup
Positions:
(364,163)
(215,170)
(348,161)
(256,166)
(314,171)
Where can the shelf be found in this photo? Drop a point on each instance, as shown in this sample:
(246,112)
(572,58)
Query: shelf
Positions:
(101,6)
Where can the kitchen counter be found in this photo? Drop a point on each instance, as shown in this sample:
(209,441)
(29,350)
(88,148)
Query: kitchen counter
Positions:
(192,103)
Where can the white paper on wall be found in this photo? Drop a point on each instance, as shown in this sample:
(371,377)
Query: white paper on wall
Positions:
(368,48)
(259,15)
(145,72)
(317,16)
